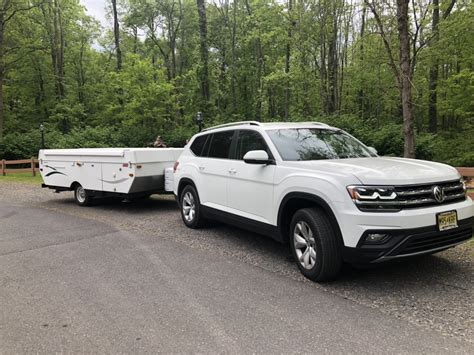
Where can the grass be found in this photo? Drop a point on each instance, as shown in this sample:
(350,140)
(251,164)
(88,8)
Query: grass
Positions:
(24,178)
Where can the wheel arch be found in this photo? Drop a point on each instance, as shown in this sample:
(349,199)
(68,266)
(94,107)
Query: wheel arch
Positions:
(182,184)
(73,185)
(295,201)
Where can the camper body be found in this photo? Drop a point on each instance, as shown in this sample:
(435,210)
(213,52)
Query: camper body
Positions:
(123,172)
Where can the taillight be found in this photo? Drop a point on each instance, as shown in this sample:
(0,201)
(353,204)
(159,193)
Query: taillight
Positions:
(175,166)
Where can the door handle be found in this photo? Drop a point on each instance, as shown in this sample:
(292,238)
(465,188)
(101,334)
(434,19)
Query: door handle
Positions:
(232,171)
(202,168)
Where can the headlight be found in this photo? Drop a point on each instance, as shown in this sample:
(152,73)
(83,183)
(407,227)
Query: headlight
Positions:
(372,193)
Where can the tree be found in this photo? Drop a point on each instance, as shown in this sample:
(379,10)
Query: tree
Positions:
(434,68)
(405,78)
(403,72)
(204,52)
(388,71)
(118,51)
(9,10)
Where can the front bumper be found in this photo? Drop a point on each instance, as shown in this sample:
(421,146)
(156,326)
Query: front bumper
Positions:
(410,242)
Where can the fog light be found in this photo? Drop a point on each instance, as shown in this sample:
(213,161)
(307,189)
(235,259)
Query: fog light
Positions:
(376,238)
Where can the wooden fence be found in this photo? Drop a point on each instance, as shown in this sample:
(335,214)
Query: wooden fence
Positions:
(33,166)
(468,175)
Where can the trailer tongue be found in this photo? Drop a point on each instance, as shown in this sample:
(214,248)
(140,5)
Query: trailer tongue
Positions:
(95,172)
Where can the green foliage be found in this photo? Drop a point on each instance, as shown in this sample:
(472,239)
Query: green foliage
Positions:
(20,145)
(158,92)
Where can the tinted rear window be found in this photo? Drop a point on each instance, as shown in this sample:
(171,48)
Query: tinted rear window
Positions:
(220,145)
(198,145)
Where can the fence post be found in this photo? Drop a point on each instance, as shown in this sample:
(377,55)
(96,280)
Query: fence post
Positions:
(33,166)
(3,167)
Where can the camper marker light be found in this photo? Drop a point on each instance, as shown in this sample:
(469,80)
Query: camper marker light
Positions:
(131,175)
(125,165)
(139,166)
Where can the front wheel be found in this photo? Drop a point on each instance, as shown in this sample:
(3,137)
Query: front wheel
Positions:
(191,208)
(82,196)
(314,245)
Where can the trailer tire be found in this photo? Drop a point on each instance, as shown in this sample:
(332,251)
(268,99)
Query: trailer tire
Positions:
(82,196)
(191,207)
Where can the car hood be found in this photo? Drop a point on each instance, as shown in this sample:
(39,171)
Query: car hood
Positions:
(385,170)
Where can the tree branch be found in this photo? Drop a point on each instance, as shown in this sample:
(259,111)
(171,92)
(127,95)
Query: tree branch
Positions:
(449,9)
(384,39)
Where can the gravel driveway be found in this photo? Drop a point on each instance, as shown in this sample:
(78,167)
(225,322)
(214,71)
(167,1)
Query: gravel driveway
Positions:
(431,292)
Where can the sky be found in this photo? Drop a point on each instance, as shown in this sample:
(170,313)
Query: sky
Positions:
(96,8)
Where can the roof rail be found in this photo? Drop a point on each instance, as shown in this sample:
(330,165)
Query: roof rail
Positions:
(253,123)
(316,123)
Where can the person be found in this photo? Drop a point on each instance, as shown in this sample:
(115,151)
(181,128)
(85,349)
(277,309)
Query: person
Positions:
(159,143)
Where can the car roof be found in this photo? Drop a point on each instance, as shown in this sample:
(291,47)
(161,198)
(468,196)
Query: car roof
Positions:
(267,125)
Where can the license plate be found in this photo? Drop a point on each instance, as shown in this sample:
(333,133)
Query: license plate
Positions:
(447,220)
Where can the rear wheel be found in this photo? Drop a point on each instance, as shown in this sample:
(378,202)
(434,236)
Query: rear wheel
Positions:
(191,208)
(314,245)
(82,196)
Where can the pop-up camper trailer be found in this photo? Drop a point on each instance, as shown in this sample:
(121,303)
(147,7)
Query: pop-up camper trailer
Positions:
(122,172)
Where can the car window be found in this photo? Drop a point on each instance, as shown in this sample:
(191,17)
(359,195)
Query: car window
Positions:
(247,141)
(220,145)
(315,144)
(198,145)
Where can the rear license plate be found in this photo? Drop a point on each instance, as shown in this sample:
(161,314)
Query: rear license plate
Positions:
(447,220)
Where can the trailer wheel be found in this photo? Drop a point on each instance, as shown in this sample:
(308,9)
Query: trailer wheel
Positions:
(191,207)
(82,196)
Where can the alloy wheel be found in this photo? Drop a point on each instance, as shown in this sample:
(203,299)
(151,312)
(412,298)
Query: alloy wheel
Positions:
(189,207)
(305,245)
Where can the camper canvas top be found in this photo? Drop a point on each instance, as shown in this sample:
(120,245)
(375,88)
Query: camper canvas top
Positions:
(135,155)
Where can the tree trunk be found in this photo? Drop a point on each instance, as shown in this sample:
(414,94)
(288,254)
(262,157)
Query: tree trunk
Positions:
(287,61)
(332,67)
(1,103)
(204,71)
(117,35)
(361,94)
(234,76)
(433,78)
(2,67)
(61,45)
(405,78)
(332,62)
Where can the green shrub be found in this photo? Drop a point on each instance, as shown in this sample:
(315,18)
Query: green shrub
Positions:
(446,147)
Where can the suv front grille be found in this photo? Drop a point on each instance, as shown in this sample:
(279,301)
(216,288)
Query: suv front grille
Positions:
(416,196)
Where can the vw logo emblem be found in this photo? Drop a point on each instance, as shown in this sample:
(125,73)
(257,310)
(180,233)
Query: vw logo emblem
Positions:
(438,194)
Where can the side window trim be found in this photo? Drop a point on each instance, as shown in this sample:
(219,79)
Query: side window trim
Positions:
(233,146)
(205,149)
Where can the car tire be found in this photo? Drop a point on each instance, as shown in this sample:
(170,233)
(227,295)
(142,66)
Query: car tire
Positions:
(82,196)
(314,245)
(190,207)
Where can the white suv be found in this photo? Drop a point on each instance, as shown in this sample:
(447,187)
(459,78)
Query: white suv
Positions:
(323,191)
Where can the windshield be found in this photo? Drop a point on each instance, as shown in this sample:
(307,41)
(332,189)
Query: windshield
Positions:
(316,144)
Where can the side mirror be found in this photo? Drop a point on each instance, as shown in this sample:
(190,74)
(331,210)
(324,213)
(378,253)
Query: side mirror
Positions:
(256,157)
(373,150)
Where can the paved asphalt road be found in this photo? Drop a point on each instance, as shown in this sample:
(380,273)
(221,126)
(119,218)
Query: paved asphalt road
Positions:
(128,278)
